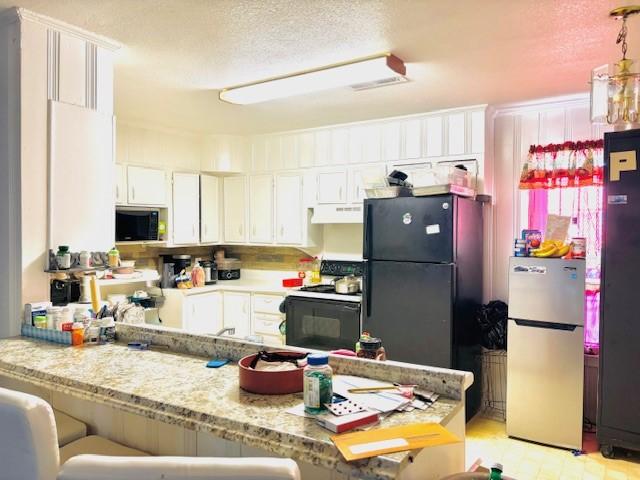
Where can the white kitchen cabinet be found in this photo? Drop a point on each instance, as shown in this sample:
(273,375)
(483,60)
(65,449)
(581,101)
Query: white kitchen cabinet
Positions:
(290,152)
(259,154)
(289,209)
(356,144)
(235,203)
(223,153)
(356,182)
(146,186)
(268,327)
(209,209)
(332,186)
(121,185)
(186,208)
(306,149)
(371,143)
(72,70)
(412,134)
(237,312)
(456,134)
(339,146)
(434,137)
(274,153)
(390,133)
(203,313)
(477,131)
(261,209)
(322,147)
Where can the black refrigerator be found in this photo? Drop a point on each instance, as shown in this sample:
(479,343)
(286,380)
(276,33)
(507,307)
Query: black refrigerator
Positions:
(422,281)
(618,422)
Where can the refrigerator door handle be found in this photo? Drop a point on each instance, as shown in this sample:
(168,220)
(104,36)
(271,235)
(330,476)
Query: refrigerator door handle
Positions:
(546,325)
(367,289)
(367,234)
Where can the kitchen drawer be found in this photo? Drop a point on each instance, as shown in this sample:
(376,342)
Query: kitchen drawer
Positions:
(265,324)
(267,304)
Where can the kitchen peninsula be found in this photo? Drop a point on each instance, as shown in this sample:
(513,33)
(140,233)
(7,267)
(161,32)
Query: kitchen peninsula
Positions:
(171,389)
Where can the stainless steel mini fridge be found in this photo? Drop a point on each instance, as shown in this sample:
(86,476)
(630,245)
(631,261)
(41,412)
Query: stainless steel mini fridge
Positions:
(545,350)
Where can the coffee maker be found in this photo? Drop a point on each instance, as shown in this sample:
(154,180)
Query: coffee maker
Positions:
(172,265)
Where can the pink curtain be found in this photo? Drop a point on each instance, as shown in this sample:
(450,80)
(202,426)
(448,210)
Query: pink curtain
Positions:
(578,198)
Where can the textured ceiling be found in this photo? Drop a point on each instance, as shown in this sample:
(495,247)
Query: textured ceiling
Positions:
(179,52)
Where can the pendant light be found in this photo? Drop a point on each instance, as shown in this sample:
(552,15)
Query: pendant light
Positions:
(615,88)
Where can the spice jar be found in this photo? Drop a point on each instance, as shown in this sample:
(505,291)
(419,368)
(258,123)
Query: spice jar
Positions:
(318,384)
(77,333)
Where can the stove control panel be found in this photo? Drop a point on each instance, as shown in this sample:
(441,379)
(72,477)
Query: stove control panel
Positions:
(341,268)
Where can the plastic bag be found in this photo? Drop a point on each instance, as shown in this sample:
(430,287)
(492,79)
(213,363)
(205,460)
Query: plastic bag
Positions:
(492,319)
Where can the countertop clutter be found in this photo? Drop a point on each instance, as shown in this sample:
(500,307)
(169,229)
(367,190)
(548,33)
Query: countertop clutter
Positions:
(205,399)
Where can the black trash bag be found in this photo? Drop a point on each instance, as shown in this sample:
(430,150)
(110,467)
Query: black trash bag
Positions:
(492,319)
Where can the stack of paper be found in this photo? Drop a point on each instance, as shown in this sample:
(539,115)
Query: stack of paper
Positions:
(384,401)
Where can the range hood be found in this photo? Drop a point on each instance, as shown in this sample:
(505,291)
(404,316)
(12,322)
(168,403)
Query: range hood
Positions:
(337,214)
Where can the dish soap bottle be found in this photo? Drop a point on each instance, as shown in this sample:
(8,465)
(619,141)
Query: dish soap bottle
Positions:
(318,384)
(315,270)
(114,258)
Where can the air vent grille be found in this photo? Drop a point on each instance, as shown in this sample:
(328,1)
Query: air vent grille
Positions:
(379,83)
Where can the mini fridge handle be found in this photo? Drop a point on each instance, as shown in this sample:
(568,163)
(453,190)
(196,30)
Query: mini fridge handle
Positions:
(367,289)
(547,325)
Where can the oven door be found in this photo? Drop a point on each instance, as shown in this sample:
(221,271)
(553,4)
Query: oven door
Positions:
(322,324)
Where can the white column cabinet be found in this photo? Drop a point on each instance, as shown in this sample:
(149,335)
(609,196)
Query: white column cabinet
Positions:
(235,203)
(72,69)
(237,312)
(209,209)
(146,186)
(261,209)
(202,313)
(186,208)
(223,153)
(289,209)
(121,185)
(332,186)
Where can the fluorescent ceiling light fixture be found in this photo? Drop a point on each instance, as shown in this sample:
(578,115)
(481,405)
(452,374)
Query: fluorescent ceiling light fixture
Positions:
(360,74)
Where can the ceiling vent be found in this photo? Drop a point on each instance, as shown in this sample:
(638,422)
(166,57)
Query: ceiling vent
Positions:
(378,83)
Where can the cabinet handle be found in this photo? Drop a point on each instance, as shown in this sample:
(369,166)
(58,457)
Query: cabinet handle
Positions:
(254,230)
(240,230)
(193,230)
(117,192)
(281,230)
(340,193)
(133,193)
(205,228)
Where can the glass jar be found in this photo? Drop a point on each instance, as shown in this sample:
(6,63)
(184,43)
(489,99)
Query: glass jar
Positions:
(318,385)
(54,317)
(315,271)
(304,266)
(85,259)
(63,257)
(114,258)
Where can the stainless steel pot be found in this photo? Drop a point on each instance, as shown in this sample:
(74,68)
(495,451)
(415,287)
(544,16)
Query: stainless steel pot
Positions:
(347,285)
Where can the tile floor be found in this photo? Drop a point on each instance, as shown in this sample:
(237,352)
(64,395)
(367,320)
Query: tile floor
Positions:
(486,439)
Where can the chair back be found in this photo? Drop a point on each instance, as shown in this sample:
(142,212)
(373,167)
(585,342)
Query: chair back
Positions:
(28,438)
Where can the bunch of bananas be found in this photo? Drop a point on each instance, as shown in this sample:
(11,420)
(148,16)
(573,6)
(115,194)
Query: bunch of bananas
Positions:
(551,249)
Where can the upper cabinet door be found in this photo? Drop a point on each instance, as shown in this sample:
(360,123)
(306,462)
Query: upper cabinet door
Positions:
(223,153)
(306,149)
(290,152)
(357,178)
(332,187)
(72,70)
(261,208)
(322,147)
(259,154)
(289,209)
(146,186)
(121,185)
(340,146)
(235,210)
(412,139)
(186,208)
(371,143)
(391,141)
(209,209)
(274,153)
(456,134)
(434,136)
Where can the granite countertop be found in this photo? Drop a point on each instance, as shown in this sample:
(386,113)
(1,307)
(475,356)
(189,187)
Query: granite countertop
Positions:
(178,389)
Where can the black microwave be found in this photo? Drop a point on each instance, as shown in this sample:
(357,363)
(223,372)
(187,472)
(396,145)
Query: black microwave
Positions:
(136,225)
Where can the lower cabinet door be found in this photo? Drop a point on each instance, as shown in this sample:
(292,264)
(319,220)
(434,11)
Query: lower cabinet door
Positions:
(237,313)
(203,313)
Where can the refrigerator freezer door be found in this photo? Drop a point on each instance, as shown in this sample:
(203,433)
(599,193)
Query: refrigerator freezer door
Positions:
(409,306)
(544,384)
(547,289)
(410,229)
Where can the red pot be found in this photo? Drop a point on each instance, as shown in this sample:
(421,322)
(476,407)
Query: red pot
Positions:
(269,383)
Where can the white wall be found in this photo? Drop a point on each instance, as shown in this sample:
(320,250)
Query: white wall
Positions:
(516,127)
(342,241)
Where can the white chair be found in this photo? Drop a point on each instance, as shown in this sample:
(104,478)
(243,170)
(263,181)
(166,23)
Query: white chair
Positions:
(29,451)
